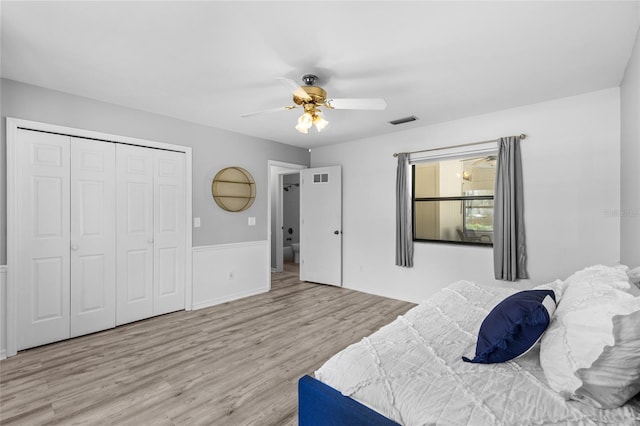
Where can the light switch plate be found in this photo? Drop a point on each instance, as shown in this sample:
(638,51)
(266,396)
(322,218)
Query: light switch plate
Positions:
(252,221)
(196,222)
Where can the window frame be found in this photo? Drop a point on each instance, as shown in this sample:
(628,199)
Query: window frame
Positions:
(461,198)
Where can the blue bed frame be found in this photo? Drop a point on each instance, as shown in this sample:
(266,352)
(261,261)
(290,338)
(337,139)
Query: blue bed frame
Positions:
(321,405)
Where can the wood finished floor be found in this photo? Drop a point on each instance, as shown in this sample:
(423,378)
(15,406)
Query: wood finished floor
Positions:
(233,364)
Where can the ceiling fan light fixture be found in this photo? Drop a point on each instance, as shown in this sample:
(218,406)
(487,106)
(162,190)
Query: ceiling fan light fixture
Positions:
(319,122)
(302,129)
(312,98)
(304,122)
(306,119)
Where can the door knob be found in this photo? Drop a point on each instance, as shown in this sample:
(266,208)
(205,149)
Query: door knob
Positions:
(150,240)
(74,247)
(336,232)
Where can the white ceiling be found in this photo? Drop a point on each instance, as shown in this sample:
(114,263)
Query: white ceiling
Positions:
(210,62)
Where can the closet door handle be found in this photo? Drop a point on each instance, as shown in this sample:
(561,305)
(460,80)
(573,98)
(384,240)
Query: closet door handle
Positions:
(150,240)
(74,247)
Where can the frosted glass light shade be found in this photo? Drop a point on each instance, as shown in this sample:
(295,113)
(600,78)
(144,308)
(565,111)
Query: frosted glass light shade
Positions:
(304,123)
(320,122)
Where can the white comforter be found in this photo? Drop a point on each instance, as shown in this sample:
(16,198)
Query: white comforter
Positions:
(410,371)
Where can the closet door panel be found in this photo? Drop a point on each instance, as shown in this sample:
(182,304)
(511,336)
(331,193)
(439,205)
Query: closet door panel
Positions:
(93,230)
(43,228)
(135,233)
(138,276)
(48,289)
(169,212)
(167,273)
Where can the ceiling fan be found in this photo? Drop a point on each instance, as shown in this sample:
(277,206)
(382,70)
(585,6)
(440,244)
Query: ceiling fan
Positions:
(312,97)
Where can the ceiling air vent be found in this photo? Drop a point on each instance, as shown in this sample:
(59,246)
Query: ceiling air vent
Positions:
(403,120)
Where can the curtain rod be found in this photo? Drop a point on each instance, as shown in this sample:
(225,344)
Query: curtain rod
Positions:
(522,136)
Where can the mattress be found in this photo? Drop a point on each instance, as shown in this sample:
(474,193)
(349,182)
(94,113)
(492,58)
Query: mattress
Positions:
(411,371)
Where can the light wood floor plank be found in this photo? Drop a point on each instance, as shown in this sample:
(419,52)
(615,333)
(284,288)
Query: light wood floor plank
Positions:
(233,364)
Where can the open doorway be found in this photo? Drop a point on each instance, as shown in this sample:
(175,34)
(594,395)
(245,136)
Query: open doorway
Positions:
(281,175)
(321,210)
(291,218)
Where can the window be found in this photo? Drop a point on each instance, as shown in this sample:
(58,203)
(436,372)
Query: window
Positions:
(453,200)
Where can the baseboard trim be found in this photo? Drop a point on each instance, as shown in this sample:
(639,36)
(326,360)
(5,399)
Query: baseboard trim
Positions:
(228,298)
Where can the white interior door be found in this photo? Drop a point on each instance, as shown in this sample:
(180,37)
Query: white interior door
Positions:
(169,235)
(43,238)
(135,231)
(93,236)
(321,225)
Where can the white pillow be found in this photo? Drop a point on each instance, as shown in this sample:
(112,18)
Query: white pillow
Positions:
(634,290)
(591,350)
(634,279)
(558,287)
(601,275)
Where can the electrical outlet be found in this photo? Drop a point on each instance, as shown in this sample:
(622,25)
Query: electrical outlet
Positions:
(196,222)
(252,221)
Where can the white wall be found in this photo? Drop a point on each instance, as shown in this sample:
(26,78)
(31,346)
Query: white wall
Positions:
(213,149)
(571,168)
(630,166)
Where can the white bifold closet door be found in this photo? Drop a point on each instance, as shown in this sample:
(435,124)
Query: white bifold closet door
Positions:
(43,246)
(93,236)
(169,232)
(66,270)
(150,232)
(101,235)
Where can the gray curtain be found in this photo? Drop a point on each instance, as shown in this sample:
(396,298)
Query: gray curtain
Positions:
(404,219)
(509,249)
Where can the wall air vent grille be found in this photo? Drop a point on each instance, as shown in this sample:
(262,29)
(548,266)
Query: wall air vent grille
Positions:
(321,178)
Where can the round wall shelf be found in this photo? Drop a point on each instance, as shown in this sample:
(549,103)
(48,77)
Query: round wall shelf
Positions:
(233,189)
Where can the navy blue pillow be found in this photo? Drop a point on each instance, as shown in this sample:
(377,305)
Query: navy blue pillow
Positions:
(514,326)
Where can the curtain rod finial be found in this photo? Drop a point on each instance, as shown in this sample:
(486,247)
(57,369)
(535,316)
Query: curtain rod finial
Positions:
(395,154)
(522,136)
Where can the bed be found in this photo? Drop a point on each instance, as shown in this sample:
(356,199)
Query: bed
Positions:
(411,371)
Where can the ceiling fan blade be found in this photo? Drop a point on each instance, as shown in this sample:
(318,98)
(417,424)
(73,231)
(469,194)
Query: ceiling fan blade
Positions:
(267,111)
(358,103)
(295,88)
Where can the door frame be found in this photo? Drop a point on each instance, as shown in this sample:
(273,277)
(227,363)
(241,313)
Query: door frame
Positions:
(310,197)
(277,169)
(12,127)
